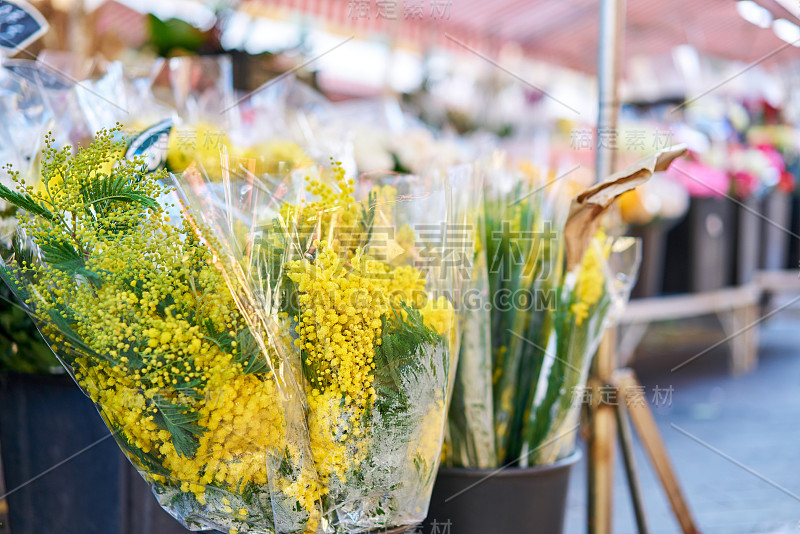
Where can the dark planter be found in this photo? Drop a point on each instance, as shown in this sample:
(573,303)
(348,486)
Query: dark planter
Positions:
(775,230)
(793,260)
(651,270)
(44,421)
(650,282)
(481,501)
(700,247)
(748,239)
(63,471)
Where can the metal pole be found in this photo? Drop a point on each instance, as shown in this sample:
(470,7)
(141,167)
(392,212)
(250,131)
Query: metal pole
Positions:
(602,440)
(609,61)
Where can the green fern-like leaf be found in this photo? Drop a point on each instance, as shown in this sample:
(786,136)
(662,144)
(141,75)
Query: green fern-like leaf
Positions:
(17,289)
(403,333)
(72,345)
(63,256)
(105,189)
(181,422)
(368,217)
(249,354)
(26,202)
(23,253)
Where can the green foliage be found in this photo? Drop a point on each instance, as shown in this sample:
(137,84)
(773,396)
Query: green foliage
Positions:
(249,355)
(26,203)
(181,422)
(61,255)
(525,256)
(247,351)
(22,348)
(175,34)
(398,357)
(398,167)
(368,217)
(100,194)
(520,260)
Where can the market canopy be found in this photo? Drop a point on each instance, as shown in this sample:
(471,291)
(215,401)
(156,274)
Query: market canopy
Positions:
(564,32)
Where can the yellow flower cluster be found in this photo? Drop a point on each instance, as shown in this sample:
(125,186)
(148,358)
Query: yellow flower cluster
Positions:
(429,444)
(344,296)
(160,352)
(202,143)
(333,210)
(276,156)
(591,280)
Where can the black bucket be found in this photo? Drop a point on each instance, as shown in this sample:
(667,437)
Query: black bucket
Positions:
(699,249)
(480,501)
(63,471)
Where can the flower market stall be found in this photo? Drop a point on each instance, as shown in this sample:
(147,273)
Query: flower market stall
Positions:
(365,266)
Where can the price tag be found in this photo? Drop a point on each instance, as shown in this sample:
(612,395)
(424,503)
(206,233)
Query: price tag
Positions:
(152,144)
(20,25)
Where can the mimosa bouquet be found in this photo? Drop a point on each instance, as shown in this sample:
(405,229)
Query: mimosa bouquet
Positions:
(266,360)
(556,280)
(267,131)
(364,289)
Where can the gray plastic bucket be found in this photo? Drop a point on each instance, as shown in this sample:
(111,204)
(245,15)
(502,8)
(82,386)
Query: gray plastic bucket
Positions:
(482,501)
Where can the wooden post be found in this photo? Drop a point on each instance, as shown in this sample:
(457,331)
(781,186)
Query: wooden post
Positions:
(603,431)
(603,417)
(602,441)
(650,437)
(629,461)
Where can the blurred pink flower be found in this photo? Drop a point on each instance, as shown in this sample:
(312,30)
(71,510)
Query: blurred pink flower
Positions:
(773,156)
(745,184)
(699,179)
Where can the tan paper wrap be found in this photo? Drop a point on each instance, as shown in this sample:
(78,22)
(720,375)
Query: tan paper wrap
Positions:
(587,208)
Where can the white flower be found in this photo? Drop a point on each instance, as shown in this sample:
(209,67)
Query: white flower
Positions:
(414,149)
(371,152)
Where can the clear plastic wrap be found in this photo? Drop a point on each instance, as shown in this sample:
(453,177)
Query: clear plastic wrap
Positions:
(278,358)
(523,252)
(588,300)
(470,432)
(26,118)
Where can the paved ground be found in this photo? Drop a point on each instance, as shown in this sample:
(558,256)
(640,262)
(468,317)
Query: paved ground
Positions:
(754,420)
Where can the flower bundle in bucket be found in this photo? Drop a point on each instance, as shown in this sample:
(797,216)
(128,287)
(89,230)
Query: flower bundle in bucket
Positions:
(556,280)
